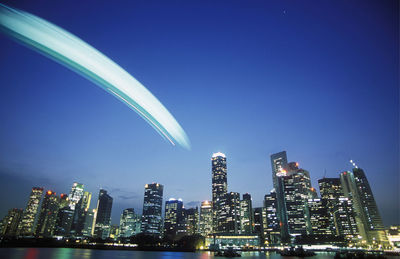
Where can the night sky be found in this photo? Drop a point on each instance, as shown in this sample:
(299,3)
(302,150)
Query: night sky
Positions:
(319,79)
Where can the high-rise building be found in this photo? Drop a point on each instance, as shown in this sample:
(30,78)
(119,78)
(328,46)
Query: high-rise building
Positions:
(260,223)
(230,216)
(26,227)
(10,222)
(129,223)
(319,217)
(272,229)
(64,217)
(48,215)
(152,208)
(246,214)
(173,217)
(206,218)
(356,187)
(75,194)
(79,214)
(103,218)
(191,217)
(219,190)
(278,163)
(89,225)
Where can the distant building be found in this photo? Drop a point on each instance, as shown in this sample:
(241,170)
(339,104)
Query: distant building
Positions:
(26,227)
(219,190)
(152,208)
(48,215)
(173,217)
(393,234)
(89,224)
(246,214)
(75,194)
(206,218)
(64,217)
(272,229)
(319,217)
(114,232)
(230,217)
(80,213)
(191,217)
(260,223)
(103,218)
(129,223)
(10,222)
(356,187)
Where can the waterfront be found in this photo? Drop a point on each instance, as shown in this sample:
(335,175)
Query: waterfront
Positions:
(71,253)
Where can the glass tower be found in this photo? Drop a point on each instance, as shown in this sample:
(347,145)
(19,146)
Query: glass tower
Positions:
(152,208)
(26,227)
(48,215)
(103,217)
(219,190)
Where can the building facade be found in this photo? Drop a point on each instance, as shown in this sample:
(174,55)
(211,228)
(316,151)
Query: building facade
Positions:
(103,217)
(152,208)
(48,215)
(26,227)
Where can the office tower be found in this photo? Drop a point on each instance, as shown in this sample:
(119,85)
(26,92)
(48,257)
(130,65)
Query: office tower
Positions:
(246,214)
(10,222)
(76,194)
(48,215)
(206,218)
(80,212)
(230,214)
(88,226)
(219,189)
(319,217)
(64,217)
(129,223)
(356,188)
(297,190)
(272,229)
(26,227)
(260,223)
(152,208)
(173,216)
(278,163)
(103,218)
(191,217)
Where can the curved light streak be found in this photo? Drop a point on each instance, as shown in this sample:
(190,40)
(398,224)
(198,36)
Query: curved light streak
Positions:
(72,52)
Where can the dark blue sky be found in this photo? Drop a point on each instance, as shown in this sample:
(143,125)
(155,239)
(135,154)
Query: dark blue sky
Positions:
(248,78)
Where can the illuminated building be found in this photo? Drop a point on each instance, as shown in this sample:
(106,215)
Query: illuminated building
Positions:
(246,214)
(271,229)
(80,212)
(297,190)
(331,191)
(219,190)
(75,194)
(230,216)
(103,218)
(114,232)
(173,217)
(357,189)
(260,222)
(48,215)
(129,223)
(152,208)
(88,226)
(64,217)
(345,219)
(236,241)
(191,217)
(10,222)
(278,163)
(319,217)
(393,234)
(26,227)
(206,218)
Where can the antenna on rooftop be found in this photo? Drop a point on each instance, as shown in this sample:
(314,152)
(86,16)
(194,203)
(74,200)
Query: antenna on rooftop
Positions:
(353,163)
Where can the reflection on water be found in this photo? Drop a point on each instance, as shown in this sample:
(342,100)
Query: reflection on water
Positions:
(70,253)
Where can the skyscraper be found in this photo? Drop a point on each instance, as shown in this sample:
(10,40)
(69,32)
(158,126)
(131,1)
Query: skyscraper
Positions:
(272,235)
(356,187)
(48,215)
(319,217)
(191,217)
(64,217)
(152,208)
(246,215)
(88,226)
(278,163)
(10,222)
(230,218)
(173,217)
(206,218)
(26,227)
(103,218)
(219,189)
(129,223)
(75,194)
(80,212)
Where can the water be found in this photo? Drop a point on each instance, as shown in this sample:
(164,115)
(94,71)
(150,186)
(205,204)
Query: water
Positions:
(71,253)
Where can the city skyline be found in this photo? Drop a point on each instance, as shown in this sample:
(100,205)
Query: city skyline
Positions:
(249,87)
